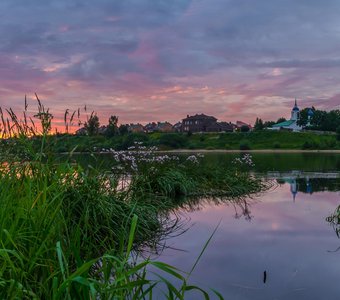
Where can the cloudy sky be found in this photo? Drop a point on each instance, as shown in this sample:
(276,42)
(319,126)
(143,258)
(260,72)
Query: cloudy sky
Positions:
(153,60)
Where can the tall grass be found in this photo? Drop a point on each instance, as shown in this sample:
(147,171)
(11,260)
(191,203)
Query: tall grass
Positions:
(71,233)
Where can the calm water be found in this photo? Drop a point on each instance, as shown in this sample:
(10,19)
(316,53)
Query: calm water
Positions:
(282,232)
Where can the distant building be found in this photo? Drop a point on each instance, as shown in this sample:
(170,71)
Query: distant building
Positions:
(164,127)
(240,124)
(135,128)
(178,127)
(291,124)
(225,126)
(102,129)
(198,123)
(81,131)
(150,127)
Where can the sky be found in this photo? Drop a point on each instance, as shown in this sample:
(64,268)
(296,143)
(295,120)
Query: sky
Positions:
(156,60)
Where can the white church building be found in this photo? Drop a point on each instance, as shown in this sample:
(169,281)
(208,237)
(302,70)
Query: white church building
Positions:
(292,123)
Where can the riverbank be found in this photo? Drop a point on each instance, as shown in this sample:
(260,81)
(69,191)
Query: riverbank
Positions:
(66,228)
(235,141)
(247,151)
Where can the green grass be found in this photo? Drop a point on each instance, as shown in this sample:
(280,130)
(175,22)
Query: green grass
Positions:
(225,141)
(65,234)
(68,232)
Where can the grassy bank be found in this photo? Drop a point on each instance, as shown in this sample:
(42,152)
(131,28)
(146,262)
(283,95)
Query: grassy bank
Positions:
(69,232)
(224,141)
(74,231)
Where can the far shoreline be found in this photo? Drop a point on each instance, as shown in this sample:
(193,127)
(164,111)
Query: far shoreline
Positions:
(248,151)
(334,151)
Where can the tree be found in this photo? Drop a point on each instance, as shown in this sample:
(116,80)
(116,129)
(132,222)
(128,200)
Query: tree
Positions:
(123,129)
(302,121)
(245,128)
(92,125)
(280,120)
(267,124)
(112,128)
(338,133)
(258,124)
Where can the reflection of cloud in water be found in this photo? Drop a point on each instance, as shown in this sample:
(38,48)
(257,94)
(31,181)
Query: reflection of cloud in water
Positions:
(290,240)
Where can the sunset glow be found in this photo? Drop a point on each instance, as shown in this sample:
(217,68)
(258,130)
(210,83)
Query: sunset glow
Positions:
(161,60)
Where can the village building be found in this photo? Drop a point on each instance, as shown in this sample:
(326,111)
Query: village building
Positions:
(164,127)
(198,123)
(204,123)
(225,126)
(158,127)
(135,128)
(240,124)
(177,127)
(150,127)
(81,131)
(290,124)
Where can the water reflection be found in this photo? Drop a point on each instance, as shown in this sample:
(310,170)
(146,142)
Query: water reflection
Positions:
(282,232)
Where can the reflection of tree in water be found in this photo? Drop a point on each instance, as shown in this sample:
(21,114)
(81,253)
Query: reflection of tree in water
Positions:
(318,185)
(310,185)
(334,220)
(241,205)
(244,207)
(175,220)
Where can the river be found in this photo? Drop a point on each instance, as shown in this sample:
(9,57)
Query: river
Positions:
(281,234)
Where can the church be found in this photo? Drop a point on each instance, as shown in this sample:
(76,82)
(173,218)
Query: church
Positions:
(292,123)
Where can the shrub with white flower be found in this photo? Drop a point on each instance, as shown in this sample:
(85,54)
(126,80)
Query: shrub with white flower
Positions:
(138,155)
(244,160)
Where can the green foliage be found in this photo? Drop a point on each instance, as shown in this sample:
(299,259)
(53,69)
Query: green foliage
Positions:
(321,120)
(268,124)
(276,145)
(262,139)
(338,133)
(92,125)
(173,140)
(123,129)
(245,128)
(244,145)
(280,120)
(258,124)
(112,127)
(70,233)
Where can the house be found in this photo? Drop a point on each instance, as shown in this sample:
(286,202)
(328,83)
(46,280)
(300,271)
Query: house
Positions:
(199,123)
(102,129)
(164,127)
(177,127)
(150,127)
(291,124)
(81,131)
(225,126)
(135,128)
(240,124)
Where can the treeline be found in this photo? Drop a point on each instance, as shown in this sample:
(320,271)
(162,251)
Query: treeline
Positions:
(225,141)
(310,119)
(320,119)
(92,127)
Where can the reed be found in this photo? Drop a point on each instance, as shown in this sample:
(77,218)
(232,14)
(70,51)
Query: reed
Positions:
(69,232)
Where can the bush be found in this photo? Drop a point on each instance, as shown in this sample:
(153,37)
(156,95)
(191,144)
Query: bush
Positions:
(277,145)
(245,128)
(310,145)
(244,146)
(172,140)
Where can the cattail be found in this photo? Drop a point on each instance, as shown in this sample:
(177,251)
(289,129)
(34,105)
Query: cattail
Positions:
(26,104)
